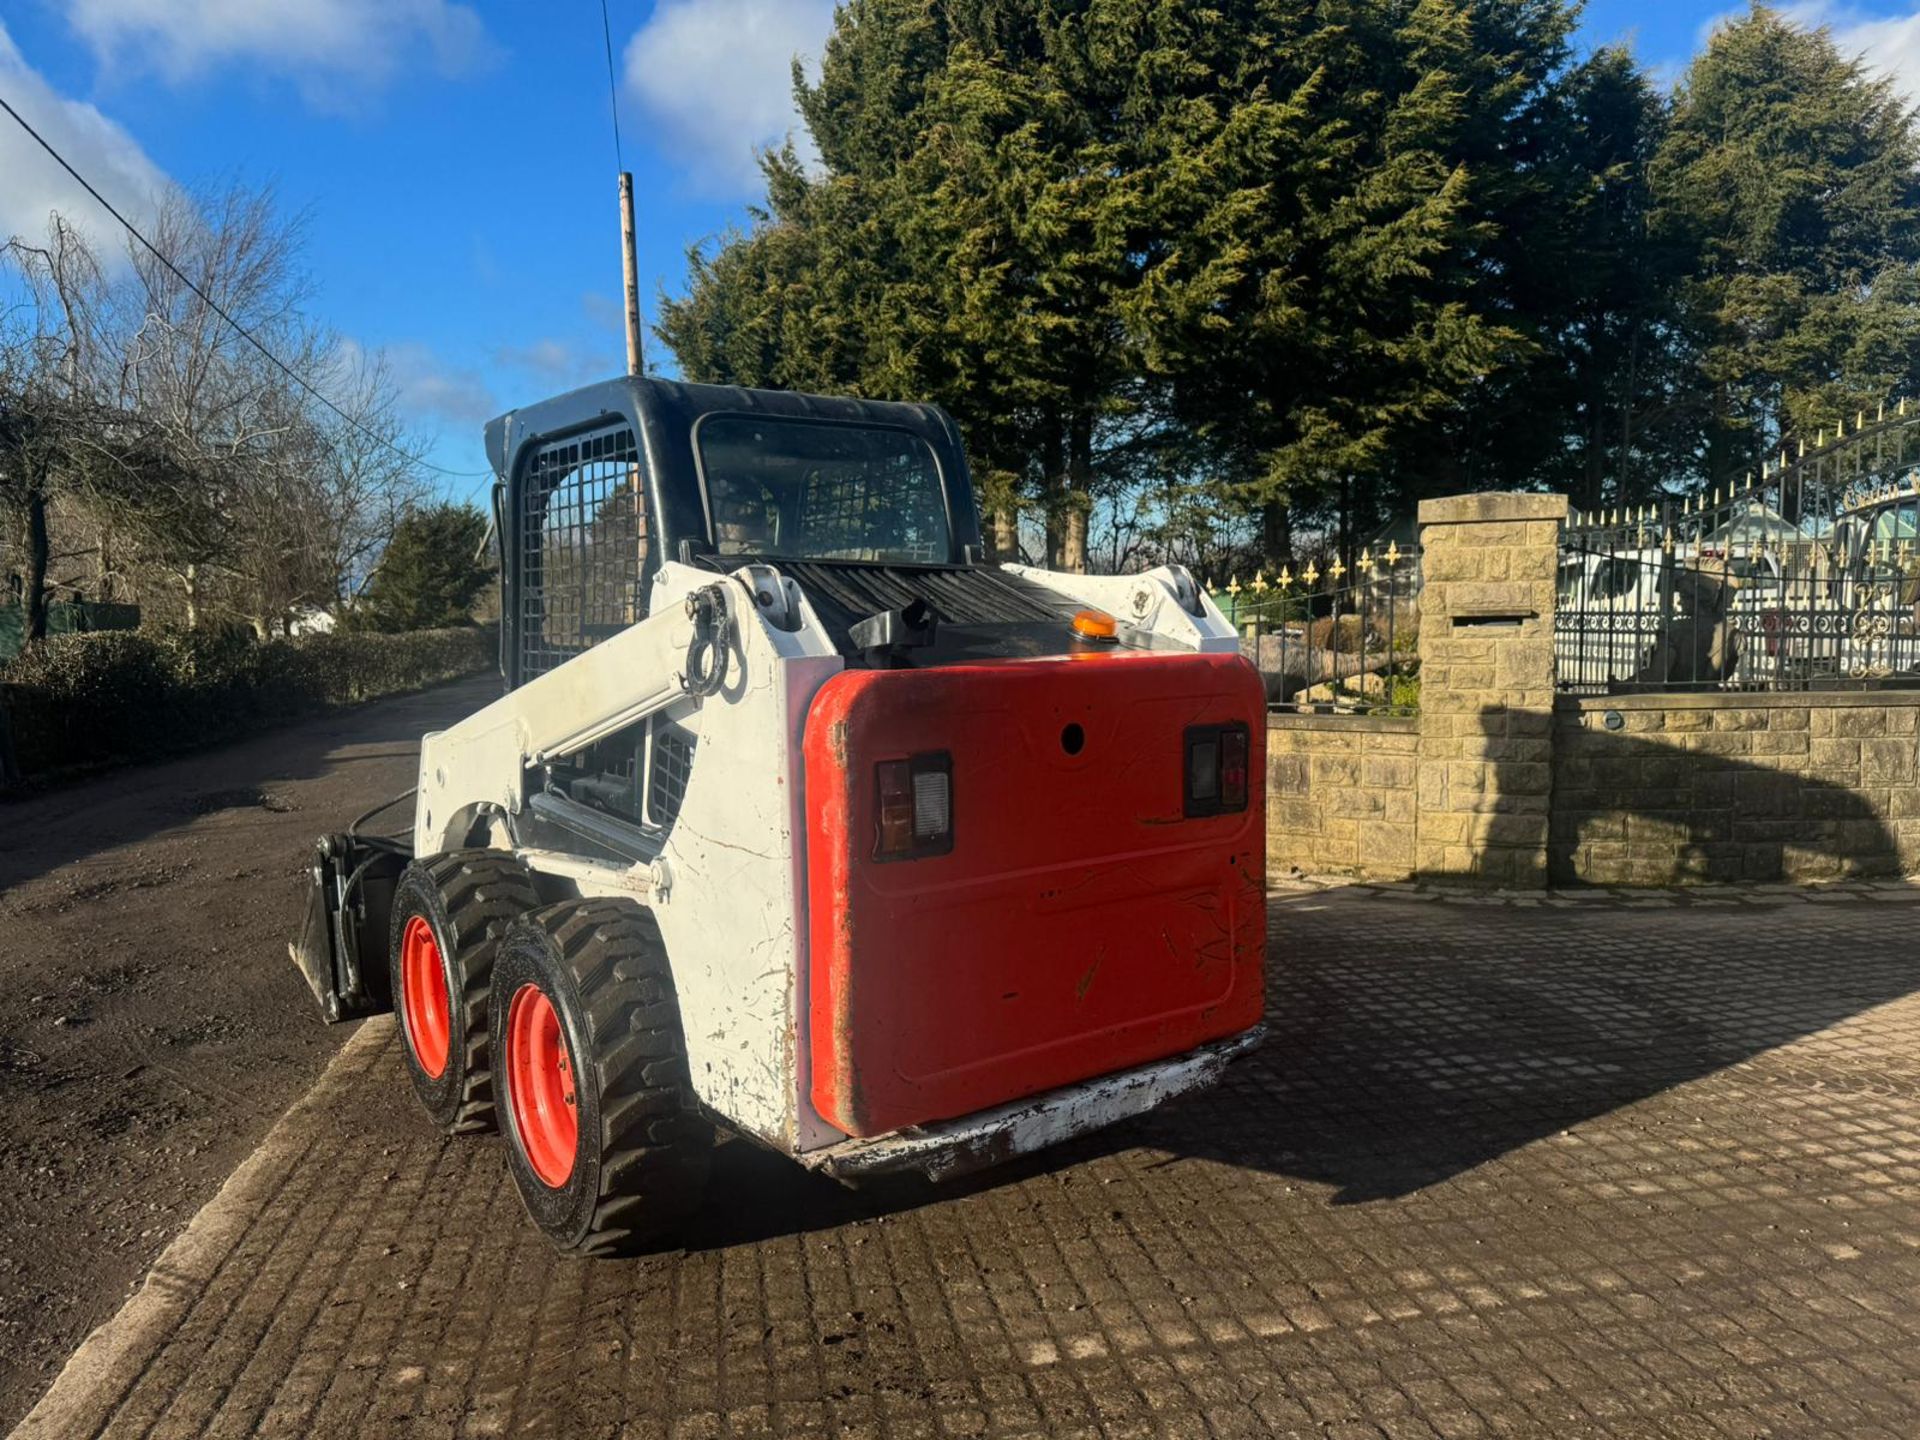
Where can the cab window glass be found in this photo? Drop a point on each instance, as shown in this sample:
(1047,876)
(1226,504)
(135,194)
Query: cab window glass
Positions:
(804,490)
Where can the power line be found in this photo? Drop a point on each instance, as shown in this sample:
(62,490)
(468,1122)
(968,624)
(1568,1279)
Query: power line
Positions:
(613,88)
(214,305)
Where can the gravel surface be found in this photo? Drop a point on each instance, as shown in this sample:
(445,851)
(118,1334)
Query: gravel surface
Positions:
(151,1025)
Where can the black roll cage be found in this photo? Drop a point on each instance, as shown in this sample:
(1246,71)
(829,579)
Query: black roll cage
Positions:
(662,416)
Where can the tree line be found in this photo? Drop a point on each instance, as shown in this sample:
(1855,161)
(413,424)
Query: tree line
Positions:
(1236,282)
(149,454)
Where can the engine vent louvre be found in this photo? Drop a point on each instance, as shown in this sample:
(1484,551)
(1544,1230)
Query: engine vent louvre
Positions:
(844,594)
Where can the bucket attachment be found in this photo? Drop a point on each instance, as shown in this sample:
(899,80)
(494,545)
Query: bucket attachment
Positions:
(342,947)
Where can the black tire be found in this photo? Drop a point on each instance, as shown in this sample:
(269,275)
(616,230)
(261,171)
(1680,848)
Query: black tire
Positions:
(639,1163)
(466,898)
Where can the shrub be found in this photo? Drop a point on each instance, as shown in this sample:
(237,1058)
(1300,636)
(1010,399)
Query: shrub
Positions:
(85,700)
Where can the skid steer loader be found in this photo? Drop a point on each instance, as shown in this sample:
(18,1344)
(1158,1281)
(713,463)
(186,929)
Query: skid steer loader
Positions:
(800,819)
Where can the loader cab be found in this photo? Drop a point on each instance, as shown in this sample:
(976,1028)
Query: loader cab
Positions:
(598,487)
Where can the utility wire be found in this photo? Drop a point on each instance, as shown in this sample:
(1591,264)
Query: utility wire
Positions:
(613,88)
(214,305)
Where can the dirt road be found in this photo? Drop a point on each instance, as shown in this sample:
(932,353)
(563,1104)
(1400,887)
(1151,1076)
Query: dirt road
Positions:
(151,1026)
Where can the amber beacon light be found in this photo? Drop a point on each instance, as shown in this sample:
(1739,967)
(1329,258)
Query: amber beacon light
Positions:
(1094,625)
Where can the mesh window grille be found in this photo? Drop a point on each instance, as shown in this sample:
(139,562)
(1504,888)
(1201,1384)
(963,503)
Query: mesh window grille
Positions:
(672,766)
(583,542)
(888,510)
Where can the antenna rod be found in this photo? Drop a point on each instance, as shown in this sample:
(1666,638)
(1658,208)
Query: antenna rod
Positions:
(630,265)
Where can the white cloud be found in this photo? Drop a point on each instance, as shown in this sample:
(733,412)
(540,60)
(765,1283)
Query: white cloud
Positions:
(557,362)
(604,311)
(431,389)
(329,48)
(32,184)
(1889,44)
(716,79)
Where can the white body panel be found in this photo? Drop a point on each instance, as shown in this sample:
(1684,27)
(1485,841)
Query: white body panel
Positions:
(733,910)
(1164,603)
(728,886)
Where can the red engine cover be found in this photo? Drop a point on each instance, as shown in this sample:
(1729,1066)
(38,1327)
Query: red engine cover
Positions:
(1080,924)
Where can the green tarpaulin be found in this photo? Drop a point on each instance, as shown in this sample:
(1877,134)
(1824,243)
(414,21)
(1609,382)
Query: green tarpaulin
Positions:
(64,618)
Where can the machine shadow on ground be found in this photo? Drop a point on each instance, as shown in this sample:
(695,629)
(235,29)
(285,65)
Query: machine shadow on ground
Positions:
(1446,1035)
(1438,1041)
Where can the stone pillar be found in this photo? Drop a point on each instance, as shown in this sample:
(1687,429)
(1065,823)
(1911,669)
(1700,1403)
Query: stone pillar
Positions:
(1486,687)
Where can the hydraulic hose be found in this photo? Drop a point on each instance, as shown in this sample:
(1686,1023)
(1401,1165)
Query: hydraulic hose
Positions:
(381,841)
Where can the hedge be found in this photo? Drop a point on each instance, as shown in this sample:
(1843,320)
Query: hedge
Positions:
(88,700)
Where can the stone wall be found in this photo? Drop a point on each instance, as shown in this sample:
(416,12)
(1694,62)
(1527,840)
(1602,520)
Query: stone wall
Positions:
(1486,685)
(1498,782)
(1340,795)
(1677,789)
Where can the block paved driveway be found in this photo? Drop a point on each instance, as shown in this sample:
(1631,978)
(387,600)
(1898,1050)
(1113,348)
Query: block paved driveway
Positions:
(1618,1167)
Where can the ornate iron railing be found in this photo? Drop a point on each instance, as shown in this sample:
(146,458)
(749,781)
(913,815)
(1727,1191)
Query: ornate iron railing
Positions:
(1345,639)
(1805,576)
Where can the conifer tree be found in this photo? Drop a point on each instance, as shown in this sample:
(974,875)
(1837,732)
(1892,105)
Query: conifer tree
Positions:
(1791,175)
(430,574)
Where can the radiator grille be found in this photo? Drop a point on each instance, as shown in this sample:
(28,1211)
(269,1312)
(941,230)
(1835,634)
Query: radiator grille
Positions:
(583,543)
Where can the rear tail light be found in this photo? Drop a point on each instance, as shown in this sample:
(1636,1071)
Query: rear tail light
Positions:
(1216,769)
(915,813)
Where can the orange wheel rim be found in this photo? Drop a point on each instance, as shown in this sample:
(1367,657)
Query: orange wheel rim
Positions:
(424,1005)
(540,1088)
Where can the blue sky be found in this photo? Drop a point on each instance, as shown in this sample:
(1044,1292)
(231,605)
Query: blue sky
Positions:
(455,161)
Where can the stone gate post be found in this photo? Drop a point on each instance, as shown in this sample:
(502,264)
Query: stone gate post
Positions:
(1485,772)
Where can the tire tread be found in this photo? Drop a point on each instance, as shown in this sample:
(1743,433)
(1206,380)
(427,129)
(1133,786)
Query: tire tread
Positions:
(654,1141)
(484,892)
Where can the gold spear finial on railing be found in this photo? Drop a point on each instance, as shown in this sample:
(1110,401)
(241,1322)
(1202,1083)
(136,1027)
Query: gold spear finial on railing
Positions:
(1366,557)
(1259,582)
(1393,552)
(1311,575)
(1337,571)
(1233,586)
(1286,577)
(1666,540)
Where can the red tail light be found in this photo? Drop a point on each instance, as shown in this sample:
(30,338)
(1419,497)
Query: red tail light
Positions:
(1233,768)
(914,816)
(1216,769)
